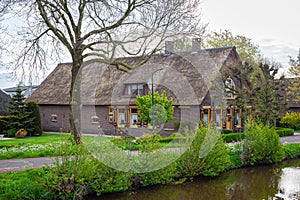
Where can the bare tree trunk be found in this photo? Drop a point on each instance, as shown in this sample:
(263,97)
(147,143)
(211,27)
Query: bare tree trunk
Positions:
(75,101)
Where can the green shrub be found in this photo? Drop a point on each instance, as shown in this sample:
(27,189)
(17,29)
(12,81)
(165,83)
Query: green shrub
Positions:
(235,156)
(161,176)
(284,131)
(208,155)
(11,132)
(291,120)
(75,177)
(291,150)
(35,126)
(233,137)
(226,131)
(23,185)
(261,145)
(3,126)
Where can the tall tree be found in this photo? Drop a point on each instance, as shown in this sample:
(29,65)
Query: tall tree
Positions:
(247,50)
(18,114)
(294,85)
(265,93)
(100,31)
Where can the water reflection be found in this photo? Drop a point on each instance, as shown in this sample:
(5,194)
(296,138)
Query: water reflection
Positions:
(263,182)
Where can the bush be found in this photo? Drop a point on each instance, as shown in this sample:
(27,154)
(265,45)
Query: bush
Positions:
(208,155)
(23,185)
(226,131)
(11,132)
(291,120)
(76,177)
(233,137)
(291,151)
(35,126)
(261,145)
(3,126)
(284,131)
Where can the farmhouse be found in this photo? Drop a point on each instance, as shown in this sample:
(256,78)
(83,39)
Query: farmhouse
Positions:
(195,80)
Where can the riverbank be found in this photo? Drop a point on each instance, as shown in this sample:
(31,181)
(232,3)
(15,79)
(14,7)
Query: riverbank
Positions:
(277,181)
(85,175)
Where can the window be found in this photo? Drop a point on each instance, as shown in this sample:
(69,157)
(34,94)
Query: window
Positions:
(121,116)
(110,114)
(238,118)
(53,118)
(95,119)
(229,88)
(205,115)
(218,118)
(135,89)
(133,116)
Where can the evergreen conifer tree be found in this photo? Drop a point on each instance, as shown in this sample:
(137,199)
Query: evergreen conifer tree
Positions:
(34,113)
(18,114)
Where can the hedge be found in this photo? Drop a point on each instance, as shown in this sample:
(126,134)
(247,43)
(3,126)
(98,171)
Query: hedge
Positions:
(284,131)
(233,137)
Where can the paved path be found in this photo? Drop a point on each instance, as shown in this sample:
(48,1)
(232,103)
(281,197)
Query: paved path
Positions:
(27,163)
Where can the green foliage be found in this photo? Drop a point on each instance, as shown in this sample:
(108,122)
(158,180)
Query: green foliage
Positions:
(284,131)
(291,151)
(247,50)
(3,126)
(266,102)
(161,176)
(23,185)
(226,131)
(291,120)
(294,85)
(75,177)
(235,156)
(233,137)
(18,114)
(11,132)
(163,109)
(262,145)
(207,155)
(35,124)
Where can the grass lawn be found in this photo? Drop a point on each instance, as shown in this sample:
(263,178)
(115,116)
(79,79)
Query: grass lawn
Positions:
(43,139)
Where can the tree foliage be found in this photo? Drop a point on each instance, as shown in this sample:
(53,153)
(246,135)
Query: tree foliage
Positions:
(291,120)
(18,114)
(34,114)
(163,109)
(247,50)
(266,94)
(294,85)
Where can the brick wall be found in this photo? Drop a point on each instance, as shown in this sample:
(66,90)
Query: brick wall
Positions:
(62,113)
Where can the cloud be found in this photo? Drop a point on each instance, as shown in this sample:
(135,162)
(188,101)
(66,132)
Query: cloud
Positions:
(6,82)
(277,50)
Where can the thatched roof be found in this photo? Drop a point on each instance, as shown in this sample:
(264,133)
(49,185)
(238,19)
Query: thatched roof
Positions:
(4,102)
(184,76)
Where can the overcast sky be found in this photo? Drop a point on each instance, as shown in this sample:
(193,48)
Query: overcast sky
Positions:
(271,24)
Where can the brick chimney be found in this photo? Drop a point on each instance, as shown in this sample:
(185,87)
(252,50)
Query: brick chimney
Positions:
(169,47)
(196,44)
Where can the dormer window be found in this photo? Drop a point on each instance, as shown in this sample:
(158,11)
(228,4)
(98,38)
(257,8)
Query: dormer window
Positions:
(229,88)
(135,89)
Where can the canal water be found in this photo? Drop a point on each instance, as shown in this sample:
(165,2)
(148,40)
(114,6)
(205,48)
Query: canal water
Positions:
(271,182)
